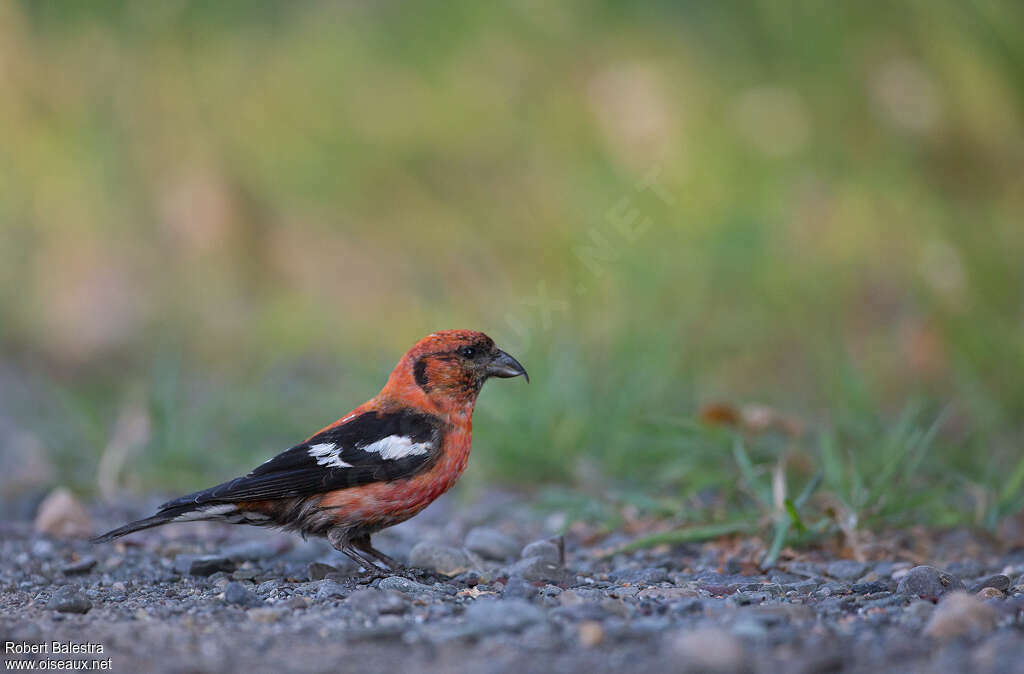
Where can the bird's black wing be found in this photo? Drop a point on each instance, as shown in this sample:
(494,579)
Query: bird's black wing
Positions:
(368,447)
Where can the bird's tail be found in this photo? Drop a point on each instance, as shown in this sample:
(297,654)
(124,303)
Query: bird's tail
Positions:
(165,515)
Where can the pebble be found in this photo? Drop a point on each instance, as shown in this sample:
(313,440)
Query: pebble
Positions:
(329,589)
(649,576)
(989,593)
(69,599)
(537,569)
(546,550)
(84,565)
(960,614)
(928,582)
(846,569)
(400,584)
(239,594)
(868,588)
(443,559)
(202,565)
(491,544)
(319,571)
(998,581)
(519,588)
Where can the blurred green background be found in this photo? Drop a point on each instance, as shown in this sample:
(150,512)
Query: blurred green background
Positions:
(222,222)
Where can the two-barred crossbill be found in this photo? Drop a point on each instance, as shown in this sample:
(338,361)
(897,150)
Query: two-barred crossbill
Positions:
(375,467)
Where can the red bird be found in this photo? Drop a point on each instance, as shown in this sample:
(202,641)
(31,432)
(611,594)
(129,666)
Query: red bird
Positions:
(377,466)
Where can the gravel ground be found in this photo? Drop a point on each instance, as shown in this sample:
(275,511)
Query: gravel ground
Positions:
(493,592)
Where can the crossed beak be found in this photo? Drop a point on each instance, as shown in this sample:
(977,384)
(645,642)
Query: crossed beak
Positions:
(505,366)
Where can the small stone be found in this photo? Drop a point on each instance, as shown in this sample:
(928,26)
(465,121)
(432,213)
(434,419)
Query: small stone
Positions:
(846,569)
(929,582)
(209,565)
(868,588)
(668,594)
(319,571)
(989,593)
(518,587)
(591,633)
(443,559)
(400,584)
(69,599)
(84,565)
(538,569)
(329,589)
(546,550)
(650,576)
(709,649)
(61,515)
(267,586)
(998,581)
(240,595)
(245,573)
(491,544)
(960,614)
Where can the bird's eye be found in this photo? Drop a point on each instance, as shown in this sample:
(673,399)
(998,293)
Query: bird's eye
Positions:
(467,352)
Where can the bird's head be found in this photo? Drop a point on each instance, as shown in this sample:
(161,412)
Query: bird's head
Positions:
(449,367)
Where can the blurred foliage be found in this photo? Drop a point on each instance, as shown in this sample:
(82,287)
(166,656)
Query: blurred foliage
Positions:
(232,217)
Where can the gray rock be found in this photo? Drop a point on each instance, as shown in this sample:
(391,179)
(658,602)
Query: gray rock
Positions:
(869,588)
(538,569)
(998,581)
(202,565)
(519,588)
(267,586)
(443,559)
(928,582)
(544,549)
(404,585)
(84,565)
(319,571)
(69,599)
(508,615)
(240,595)
(247,573)
(329,589)
(650,576)
(846,569)
(491,544)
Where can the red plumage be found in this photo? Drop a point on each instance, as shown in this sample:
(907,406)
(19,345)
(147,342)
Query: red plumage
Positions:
(377,466)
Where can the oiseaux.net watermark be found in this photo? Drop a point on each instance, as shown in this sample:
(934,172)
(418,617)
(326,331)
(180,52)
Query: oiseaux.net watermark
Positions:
(28,656)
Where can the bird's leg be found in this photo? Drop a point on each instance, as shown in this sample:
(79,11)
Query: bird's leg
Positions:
(339,541)
(363,543)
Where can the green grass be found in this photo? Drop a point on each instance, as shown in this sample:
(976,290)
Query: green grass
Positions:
(236,217)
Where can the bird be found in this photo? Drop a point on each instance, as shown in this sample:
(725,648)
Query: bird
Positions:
(375,467)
